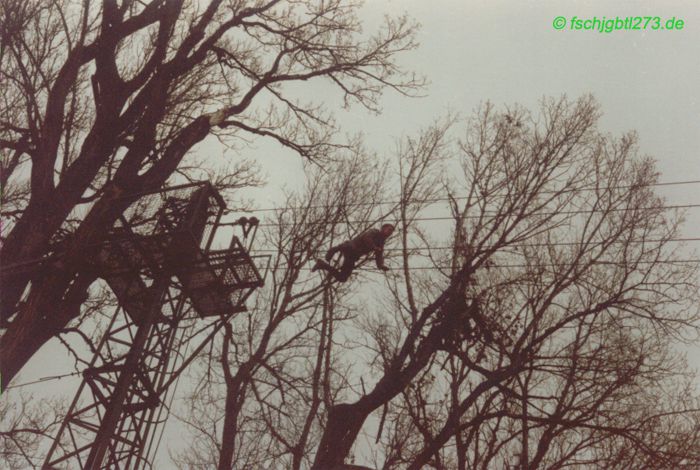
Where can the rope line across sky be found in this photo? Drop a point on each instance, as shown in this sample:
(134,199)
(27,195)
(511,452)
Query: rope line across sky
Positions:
(441,199)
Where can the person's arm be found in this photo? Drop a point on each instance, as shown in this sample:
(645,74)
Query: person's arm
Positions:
(379,255)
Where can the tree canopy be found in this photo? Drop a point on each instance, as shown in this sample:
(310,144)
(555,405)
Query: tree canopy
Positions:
(104,100)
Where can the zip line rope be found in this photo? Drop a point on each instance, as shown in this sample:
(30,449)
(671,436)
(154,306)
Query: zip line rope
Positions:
(515,245)
(433,200)
(420,268)
(590,211)
(439,199)
(554,265)
(44,379)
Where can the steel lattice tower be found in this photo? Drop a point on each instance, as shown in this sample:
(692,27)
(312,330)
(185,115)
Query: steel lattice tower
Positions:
(160,262)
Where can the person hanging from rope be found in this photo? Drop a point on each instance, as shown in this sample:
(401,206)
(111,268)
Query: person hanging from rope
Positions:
(369,241)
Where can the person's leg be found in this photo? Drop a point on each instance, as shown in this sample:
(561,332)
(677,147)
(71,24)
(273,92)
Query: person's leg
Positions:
(346,269)
(348,262)
(334,250)
(320,264)
(340,276)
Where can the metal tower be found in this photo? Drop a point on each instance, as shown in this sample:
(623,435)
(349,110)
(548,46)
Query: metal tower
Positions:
(172,264)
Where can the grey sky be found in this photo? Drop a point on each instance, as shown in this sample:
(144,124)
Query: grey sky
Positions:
(508,52)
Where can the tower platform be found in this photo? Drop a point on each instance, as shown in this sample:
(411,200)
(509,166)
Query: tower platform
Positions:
(166,260)
(176,239)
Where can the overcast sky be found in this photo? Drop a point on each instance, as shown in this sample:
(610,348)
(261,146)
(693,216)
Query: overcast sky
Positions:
(508,52)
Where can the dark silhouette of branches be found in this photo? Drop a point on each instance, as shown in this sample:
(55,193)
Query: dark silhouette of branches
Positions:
(260,396)
(105,100)
(25,423)
(543,338)
(529,352)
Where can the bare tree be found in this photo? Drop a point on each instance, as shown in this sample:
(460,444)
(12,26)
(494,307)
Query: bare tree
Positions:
(259,397)
(560,298)
(532,326)
(25,424)
(102,101)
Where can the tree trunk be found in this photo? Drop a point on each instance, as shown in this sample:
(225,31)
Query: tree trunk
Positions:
(29,330)
(29,333)
(346,420)
(344,424)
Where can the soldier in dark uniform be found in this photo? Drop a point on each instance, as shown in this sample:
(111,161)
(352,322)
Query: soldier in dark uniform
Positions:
(369,241)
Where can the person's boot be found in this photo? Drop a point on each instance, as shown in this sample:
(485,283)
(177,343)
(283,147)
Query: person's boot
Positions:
(320,264)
